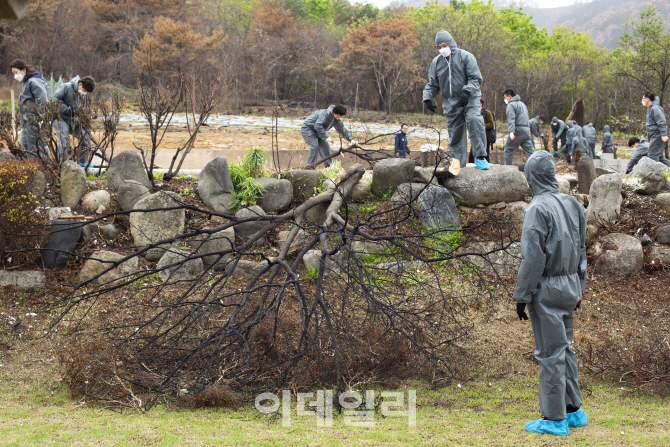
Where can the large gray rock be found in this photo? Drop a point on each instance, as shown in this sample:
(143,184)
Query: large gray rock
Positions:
(23,281)
(58,212)
(38,184)
(572,180)
(605,198)
(103,260)
(153,226)
(304,182)
(498,184)
(617,255)
(437,208)
(365,248)
(95,199)
(591,233)
(660,254)
(563,185)
(300,238)
(604,171)
(175,266)
(361,191)
(215,185)
(72,183)
(215,245)
(246,270)
(663,201)
(127,165)
(130,192)
(109,232)
(60,242)
(429,175)
(407,193)
(6,156)
(278,194)
(516,212)
(247,229)
(651,184)
(586,174)
(663,235)
(646,166)
(313,258)
(497,259)
(391,172)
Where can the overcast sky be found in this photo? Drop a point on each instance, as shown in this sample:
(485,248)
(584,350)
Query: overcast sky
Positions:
(539,3)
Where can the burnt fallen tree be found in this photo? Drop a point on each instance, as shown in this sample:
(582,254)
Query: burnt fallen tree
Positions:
(365,296)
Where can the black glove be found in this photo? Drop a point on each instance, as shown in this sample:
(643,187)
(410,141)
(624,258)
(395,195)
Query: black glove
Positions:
(465,98)
(521,311)
(579,303)
(429,105)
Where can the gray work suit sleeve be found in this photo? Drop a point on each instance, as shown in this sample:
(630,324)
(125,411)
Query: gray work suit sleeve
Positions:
(659,120)
(533,253)
(432,87)
(39,92)
(61,94)
(511,118)
(342,130)
(474,75)
(561,129)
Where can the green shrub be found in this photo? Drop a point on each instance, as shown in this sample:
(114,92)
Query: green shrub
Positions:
(388,194)
(247,192)
(334,170)
(20,223)
(254,162)
(312,273)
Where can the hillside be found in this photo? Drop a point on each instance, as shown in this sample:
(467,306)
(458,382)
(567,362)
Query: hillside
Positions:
(604,19)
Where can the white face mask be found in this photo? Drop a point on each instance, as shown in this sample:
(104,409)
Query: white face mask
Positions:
(644,103)
(18,77)
(445,52)
(82,92)
(506,101)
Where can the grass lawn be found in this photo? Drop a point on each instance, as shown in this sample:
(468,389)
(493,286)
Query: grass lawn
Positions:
(481,413)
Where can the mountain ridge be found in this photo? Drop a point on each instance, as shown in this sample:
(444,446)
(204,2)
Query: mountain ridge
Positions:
(603,19)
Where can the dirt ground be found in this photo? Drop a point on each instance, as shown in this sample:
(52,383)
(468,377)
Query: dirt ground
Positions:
(233,142)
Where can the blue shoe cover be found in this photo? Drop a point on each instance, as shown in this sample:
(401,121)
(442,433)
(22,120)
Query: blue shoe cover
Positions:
(482,164)
(559,428)
(577,419)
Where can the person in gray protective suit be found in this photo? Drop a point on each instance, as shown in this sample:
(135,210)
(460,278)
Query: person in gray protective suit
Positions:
(315,129)
(71,97)
(657,128)
(559,132)
(517,126)
(32,99)
(454,73)
(589,133)
(641,147)
(534,124)
(551,279)
(566,149)
(608,141)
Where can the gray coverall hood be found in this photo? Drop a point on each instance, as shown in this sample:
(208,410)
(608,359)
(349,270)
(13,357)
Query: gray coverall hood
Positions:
(445,37)
(606,128)
(554,120)
(540,173)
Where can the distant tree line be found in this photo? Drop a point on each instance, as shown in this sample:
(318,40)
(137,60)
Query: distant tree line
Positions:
(294,50)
